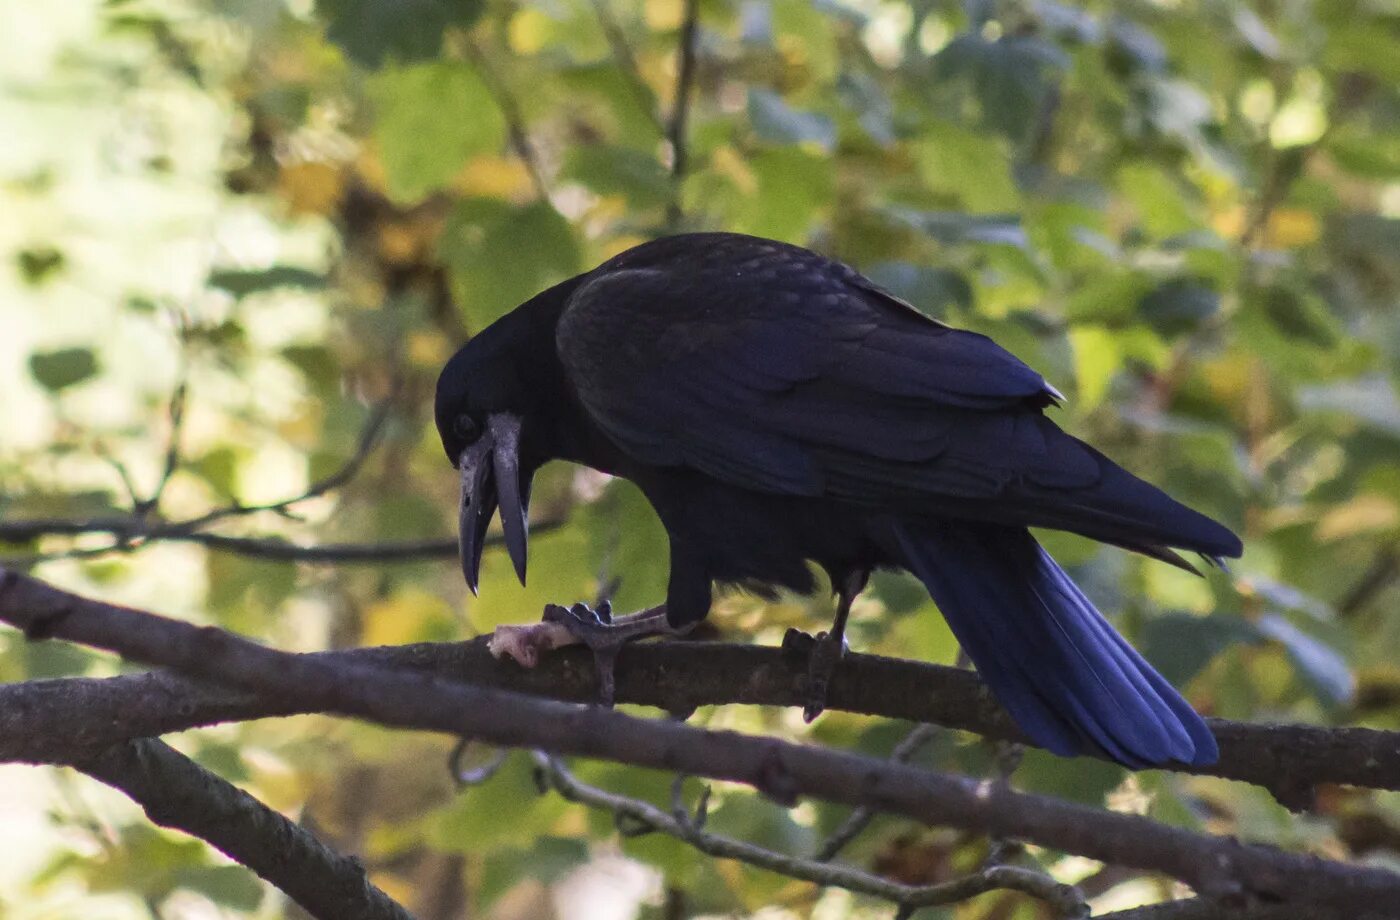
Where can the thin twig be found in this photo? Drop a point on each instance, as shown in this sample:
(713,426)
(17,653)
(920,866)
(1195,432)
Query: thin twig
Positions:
(368,440)
(1383,572)
(505,100)
(860,819)
(1064,899)
(680,112)
(175,415)
(133,536)
(627,63)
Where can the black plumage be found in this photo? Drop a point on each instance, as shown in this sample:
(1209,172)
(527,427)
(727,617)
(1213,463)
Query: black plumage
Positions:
(777,408)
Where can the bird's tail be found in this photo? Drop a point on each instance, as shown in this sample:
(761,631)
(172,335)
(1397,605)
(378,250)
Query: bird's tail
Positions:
(1068,679)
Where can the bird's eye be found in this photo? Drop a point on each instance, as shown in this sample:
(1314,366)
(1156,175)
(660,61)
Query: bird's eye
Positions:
(466,428)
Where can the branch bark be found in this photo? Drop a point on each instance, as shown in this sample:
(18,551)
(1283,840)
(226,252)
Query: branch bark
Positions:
(1216,867)
(176,792)
(1289,760)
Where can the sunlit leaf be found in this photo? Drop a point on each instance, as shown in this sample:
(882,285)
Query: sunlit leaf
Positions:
(431,118)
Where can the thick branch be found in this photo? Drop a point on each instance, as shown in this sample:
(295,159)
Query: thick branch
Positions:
(1216,867)
(1289,760)
(177,792)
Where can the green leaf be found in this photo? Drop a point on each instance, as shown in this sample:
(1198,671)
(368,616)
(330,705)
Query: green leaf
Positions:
(1178,306)
(40,263)
(1080,780)
(1160,198)
(240,282)
(372,31)
(792,185)
(973,168)
(1009,77)
(777,122)
(1180,645)
(956,227)
(614,170)
(63,368)
(431,118)
(932,290)
(499,255)
(232,886)
(1097,358)
(1323,668)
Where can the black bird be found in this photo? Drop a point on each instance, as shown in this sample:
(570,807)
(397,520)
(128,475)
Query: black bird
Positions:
(776,408)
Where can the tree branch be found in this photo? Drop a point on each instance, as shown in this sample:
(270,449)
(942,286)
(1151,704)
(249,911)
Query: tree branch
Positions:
(131,531)
(1064,899)
(627,62)
(680,112)
(516,132)
(1216,867)
(1288,760)
(176,792)
(132,534)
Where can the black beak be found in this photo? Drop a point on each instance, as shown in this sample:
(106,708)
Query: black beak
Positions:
(490,471)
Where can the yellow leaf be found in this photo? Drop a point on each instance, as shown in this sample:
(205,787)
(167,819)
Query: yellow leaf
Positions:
(494,177)
(663,15)
(311,187)
(1363,514)
(411,615)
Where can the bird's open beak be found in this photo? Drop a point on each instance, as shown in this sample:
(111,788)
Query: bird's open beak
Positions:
(490,471)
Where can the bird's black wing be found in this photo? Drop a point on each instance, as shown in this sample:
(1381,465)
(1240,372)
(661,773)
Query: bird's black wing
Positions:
(773,369)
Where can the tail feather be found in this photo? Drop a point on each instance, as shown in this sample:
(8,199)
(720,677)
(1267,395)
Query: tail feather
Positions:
(1068,679)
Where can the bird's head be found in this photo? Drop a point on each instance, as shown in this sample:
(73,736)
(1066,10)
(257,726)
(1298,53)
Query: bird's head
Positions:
(493,409)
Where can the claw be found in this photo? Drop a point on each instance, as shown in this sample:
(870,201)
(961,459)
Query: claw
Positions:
(826,653)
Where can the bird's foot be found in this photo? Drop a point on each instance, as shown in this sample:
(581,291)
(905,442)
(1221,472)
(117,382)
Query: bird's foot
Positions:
(580,624)
(823,652)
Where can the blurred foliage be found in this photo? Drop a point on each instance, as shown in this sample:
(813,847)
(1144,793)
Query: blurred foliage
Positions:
(1185,212)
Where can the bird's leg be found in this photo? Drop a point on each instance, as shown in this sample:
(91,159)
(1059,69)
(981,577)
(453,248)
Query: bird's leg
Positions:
(827,650)
(582,625)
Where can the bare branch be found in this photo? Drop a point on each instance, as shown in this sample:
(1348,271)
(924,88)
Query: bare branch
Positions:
(1383,572)
(1064,899)
(627,62)
(133,535)
(505,100)
(675,677)
(680,112)
(369,438)
(177,792)
(858,820)
(1216,867)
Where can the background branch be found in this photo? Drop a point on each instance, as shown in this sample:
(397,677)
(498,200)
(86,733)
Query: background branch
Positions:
(680,112)
(134,534)
(644,817)
(1216,867)
(176,792)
